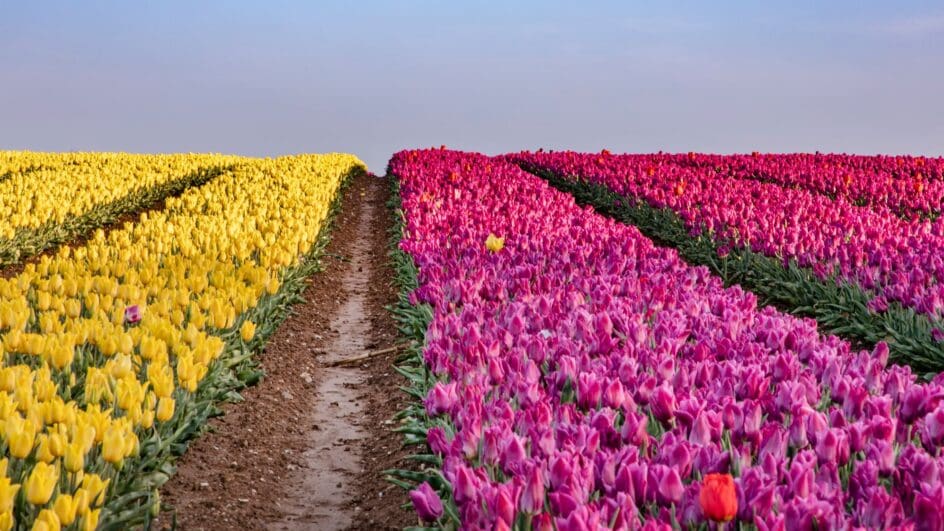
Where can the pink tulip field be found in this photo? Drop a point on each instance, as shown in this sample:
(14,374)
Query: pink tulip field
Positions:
(574,374)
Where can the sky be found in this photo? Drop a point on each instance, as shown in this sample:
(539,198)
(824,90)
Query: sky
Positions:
(276,77)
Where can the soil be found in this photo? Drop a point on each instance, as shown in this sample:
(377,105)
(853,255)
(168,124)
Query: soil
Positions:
(307,447)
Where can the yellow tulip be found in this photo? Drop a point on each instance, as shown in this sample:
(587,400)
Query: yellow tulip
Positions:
(47,521)
(8,491)
(247,330)
(96,488)
(65,507)
(43,450)
(74,457)
(165,409)
(161,378)
(113,444)
(61,355)
(6,521)
(494,243)
(7,405)
(20,436)
(41,483)
(90,520)
(81,498)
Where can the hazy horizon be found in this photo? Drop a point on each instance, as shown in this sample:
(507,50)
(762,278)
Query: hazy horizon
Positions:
(265,79)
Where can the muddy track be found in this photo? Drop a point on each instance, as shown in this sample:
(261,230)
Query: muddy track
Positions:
(306,448)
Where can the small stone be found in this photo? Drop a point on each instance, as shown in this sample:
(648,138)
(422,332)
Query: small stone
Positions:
(287,395)
(307,377)
(242,500)
(204,485)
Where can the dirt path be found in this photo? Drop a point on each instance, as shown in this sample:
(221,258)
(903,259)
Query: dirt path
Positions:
(306,448)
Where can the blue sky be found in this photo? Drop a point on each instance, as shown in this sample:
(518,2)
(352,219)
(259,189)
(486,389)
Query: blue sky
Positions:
(369,77)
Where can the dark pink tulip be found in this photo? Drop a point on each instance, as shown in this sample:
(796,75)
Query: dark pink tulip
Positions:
(701,431)
(504,507)
(929,508)
(934,425)
(561,470)
(542,522)
(441,398)
(613,395)
(663,404)
(634,429)
(426,502)
(532,496)
(437,441)
(132,314)
(465,485)
(589,391)
(669,484)
(828,447)
(562,503)
(513,455)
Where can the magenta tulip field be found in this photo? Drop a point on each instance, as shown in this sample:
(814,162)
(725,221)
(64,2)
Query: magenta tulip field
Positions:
(582,377)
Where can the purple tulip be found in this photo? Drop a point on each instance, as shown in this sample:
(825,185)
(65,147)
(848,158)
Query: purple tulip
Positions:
(532,496)
(934,426)
(663,404)
(132,314)
(669,483)
(442,398)
(426,502)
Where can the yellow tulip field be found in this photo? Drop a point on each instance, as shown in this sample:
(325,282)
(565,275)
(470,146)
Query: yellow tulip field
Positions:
(116,350)
(49,198)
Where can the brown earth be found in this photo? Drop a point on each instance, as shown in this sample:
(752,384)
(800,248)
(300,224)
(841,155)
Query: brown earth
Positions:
(307,447)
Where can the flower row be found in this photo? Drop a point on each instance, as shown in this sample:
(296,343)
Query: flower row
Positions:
(111,349)
(906,186)
(895,259)
(56,189)
(591,379)
(51,199)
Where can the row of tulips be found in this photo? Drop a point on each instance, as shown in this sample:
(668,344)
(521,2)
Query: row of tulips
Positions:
(114,352)
(894,264)
(585,378)
(909,191)
(910,187)
(47,199)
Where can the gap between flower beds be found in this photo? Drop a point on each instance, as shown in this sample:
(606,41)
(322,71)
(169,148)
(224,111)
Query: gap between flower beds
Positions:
(307,447)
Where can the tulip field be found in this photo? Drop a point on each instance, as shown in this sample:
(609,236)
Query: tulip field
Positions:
(575,375)
(118,348)
(587,340)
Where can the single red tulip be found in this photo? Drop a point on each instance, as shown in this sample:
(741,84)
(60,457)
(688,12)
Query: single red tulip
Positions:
(717,498)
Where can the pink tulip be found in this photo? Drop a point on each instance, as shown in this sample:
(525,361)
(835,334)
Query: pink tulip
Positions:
(426,502)
(132,314)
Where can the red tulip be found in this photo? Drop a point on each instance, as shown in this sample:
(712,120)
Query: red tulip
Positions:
(717,498)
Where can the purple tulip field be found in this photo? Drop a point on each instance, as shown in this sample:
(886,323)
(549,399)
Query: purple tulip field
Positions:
(672,341)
